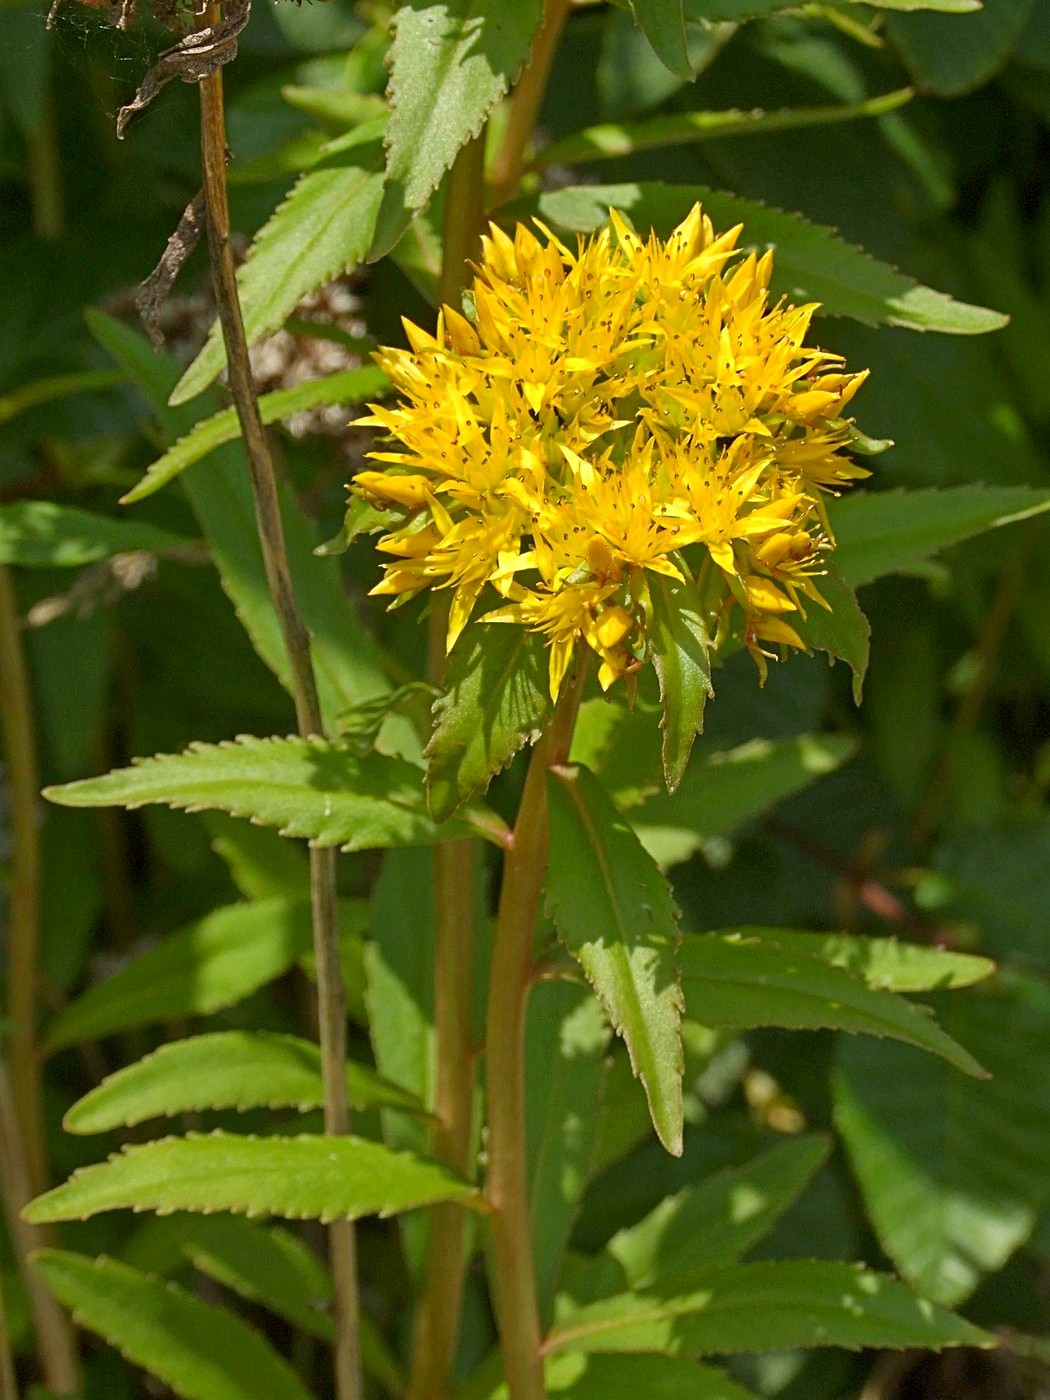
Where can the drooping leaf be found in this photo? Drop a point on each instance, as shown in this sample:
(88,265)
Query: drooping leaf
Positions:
(496,699)
(812,263)
(729,980)
(613,911)
(55,386)
(732,786)
(321,230)
(300,1178)
(271,1267)
(720,1218)
(450,63)
(893,532)
(202,1351)
(612,140)
(349,386)
(954,1177)
(950,56)
(226,1069)
(202,968)
(840,629)
(765,1307)
(663,22)
(579,1376)
(325,791)
(347,662)
(46,535)
(565,1046)
(679,645)
(883,963)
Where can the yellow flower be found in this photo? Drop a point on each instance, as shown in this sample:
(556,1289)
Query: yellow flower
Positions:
(628,408)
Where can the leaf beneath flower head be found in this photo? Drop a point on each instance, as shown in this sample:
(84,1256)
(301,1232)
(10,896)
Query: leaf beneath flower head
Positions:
(840,629)
(679,644)
(496,699)
(613,910)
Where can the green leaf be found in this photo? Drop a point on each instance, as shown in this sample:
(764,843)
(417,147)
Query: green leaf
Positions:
(883,963)
(349,386)
(266,1264)
(950,56)
(450,63)
(201,1351)
(577,1376)
(720,1219)
(613,911)
(678,643)
(663,22)
(321,230)
(729,980)
(226,1069)
(812,263)
(840,629)
(347,662)
(56,386)
(300,1178)
(765,1307)
(325,791)
(271,1267)
(496,699)
(566,1040)
(954,1177)
(733,786)
(612,140)
(45,535)
(894,532)
(202,968)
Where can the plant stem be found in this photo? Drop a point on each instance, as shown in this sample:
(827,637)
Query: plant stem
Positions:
(436,1332)
(56,1343)
(330,990)
(45,177)
(23,932)
(525,104)
(8,1382)
(507,1187)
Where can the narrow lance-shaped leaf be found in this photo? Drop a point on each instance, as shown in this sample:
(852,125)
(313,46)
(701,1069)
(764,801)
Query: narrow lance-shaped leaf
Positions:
(226,1069)
(201,1351)
(208,965)
(300,1178)
(840,629)
(313,788)
(496,699)
(883,963)
(46,535)
(765,1307)
(583,1376)
(892,532)
(450,64)
(321,230)
(614,139)
(613,911)
(734,981)
(348,386)
(679,645)
(718,1220)
(812,262)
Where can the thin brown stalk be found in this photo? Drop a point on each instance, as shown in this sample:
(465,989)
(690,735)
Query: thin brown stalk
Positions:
(437,1322)
(330,990)
(56,1343)
(509,164)
(23,930)
(507,1188)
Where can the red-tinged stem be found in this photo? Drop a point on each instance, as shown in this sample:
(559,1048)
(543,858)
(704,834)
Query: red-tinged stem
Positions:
(513,1274)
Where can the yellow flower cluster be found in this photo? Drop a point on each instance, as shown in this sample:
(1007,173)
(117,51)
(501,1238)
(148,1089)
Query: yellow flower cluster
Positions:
(631,407)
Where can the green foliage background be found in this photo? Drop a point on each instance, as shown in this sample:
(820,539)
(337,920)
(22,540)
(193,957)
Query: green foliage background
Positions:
(919,813)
